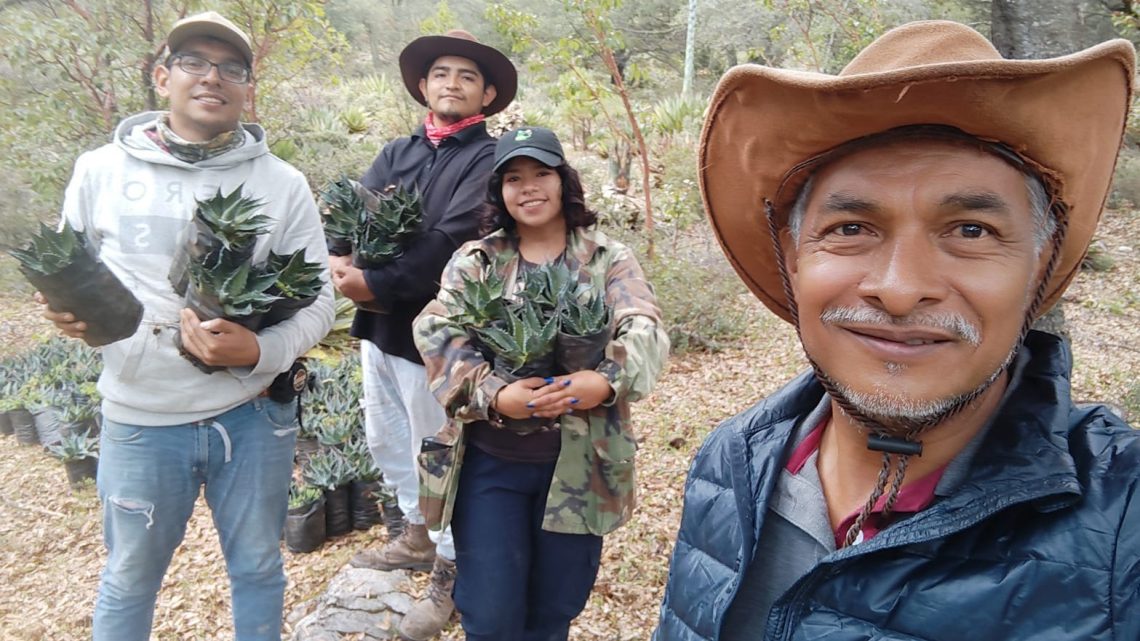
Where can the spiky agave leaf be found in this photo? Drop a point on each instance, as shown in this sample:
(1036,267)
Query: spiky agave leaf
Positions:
(297,278)
(344,208)
(50,251)
(232,218)
(482,299)
(528,335)
(586,313)
(549,285)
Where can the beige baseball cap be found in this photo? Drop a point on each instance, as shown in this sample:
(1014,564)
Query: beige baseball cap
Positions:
(210,24)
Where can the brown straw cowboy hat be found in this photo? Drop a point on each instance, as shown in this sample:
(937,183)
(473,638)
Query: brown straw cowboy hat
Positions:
(1063,116)
(421,52)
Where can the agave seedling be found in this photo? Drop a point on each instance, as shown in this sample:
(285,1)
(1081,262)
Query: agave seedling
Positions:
(240,292)
(527,338)
(328,469)
(297,278)
(50,251)
(233,219)
(481,300)
(344,209)
(549,286)
(75,446)
(336,430)
(302,494)
(586,313)
(394,219)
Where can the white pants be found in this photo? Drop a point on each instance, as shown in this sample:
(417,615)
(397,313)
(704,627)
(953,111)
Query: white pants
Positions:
(399,412)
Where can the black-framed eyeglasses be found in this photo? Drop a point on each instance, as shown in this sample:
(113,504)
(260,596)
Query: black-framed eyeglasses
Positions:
(233,72)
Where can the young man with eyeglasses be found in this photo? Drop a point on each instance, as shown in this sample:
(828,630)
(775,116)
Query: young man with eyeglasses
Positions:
(169,429)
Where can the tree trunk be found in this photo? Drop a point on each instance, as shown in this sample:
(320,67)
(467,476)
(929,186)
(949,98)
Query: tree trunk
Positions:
(1045,29)
(1048,28)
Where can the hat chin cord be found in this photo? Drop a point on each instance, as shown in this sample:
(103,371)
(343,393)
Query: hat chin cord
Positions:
(897,449)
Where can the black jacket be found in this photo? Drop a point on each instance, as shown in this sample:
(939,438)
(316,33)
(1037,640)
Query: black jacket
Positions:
(452,180)
(1041,541)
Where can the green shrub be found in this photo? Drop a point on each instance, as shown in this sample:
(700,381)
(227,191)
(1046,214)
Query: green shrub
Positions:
(696,290)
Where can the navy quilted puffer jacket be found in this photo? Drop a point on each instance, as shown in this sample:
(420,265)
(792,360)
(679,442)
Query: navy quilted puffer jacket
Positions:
(1042,540)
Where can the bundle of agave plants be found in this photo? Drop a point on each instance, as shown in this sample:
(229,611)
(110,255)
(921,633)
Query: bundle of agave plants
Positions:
(63,267)
(216,273)
(373,227)
(552,325)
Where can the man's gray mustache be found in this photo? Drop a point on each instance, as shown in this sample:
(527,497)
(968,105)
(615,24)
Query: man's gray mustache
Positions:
(947,321)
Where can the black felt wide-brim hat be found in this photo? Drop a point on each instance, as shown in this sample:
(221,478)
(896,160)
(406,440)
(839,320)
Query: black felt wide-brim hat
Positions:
(497,68)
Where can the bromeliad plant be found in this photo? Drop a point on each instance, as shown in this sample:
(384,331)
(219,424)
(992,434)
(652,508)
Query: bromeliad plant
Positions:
(64,269)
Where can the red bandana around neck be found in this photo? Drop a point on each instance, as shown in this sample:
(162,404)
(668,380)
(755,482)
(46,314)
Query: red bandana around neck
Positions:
(436,134)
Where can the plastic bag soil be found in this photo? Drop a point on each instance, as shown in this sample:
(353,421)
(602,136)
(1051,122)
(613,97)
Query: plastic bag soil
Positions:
(81,470)
(338,246)
(207,307)
(24,427)
(338,513)
(305,527)
(364,499)
(88,289)
(284,309)
(577,353)
(49,429)
(6,427)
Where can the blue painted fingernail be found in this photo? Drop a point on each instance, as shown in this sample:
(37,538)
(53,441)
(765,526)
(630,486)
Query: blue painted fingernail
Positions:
(566,382)
(548,380)
(530,405)
(573,400)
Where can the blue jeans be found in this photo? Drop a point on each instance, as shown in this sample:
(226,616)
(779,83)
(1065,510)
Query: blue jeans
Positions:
(515,581)
(149,479)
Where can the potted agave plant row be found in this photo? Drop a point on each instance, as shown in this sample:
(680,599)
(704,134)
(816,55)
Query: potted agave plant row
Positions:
(553,324)
(340,491)
(48,398)
(215,271)
(63,267)
(373,227)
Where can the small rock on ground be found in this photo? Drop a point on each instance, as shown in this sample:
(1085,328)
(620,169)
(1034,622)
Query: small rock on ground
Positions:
(362,602)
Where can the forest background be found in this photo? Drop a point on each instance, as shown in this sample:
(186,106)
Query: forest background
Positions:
(624,84)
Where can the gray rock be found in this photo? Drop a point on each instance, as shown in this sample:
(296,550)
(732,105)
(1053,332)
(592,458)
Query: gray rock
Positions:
(361,602)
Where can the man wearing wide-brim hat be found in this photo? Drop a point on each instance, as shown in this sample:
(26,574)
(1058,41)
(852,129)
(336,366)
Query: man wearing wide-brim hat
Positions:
(930,477)
(448,161)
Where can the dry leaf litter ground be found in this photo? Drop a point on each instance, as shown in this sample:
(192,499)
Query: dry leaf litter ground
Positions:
(51,548)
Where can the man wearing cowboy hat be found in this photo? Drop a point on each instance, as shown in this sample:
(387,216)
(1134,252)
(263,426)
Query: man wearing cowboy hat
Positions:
(930,477)
(448,160)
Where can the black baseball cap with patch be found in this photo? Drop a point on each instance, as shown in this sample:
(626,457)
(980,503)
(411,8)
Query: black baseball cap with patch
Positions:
(539,143)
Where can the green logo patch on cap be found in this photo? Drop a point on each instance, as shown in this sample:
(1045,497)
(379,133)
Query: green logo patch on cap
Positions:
(523,134)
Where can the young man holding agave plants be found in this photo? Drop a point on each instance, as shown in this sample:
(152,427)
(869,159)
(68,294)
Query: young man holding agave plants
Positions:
(171,429)
(448,160)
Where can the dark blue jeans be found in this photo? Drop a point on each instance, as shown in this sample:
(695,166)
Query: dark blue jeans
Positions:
(516,581)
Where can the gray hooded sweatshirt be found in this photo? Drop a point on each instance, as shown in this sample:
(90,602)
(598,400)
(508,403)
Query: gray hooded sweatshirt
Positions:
(134,202)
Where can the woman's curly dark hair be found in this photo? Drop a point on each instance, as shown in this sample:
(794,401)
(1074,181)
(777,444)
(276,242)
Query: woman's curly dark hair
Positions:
(494,214)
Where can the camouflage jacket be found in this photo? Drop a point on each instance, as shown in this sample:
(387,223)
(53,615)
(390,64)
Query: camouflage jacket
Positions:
(592,491)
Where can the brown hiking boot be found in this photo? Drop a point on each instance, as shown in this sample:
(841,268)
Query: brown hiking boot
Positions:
(428,616)
(412,550)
